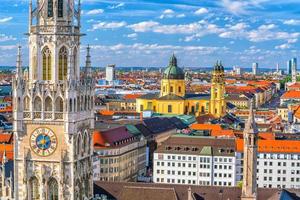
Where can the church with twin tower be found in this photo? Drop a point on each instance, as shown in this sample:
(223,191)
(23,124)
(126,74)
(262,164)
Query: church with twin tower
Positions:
(53,108)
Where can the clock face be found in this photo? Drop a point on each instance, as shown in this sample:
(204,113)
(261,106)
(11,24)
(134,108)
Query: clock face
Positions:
(43,142)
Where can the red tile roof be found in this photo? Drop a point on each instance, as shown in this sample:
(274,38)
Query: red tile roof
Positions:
(291,95)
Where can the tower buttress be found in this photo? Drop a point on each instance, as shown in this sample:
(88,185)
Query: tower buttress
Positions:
(249,190)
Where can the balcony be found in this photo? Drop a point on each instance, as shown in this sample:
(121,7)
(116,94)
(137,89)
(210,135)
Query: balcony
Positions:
(48,115)
(37,115)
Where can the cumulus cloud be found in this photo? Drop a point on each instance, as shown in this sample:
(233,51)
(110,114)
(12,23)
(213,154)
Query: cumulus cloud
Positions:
(293,22)
(169,13)
(5,38)
(201,11)
(283,46)
(108,25)
(95,12)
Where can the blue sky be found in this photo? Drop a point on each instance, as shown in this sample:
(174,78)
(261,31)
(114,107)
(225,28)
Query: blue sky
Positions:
(146,32)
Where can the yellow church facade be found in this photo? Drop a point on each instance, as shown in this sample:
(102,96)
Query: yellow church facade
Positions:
(173,98)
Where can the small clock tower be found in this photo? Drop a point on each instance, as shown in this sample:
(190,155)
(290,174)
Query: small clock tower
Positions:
(53,108)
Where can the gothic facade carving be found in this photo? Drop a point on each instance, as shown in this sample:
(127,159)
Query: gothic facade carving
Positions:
(53,108)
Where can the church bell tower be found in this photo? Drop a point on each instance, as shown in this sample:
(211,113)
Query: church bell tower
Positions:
(217,94)
(249,190)
(53,108)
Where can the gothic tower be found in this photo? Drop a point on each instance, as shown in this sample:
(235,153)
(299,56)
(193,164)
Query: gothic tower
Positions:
(217,98)
(53,108)
(173,82)
(249,190)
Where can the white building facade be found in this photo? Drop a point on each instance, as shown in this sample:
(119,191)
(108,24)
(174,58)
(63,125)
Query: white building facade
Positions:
(200,165)
(274,169)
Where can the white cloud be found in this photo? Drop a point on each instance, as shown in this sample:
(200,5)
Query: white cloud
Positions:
(201,11)
(143,26)
(293,22)
(95,12)
(169,13)
(133,35)
(117,6)
(5,38)
(139,48)
(283,46)
(108,25)
(6,19)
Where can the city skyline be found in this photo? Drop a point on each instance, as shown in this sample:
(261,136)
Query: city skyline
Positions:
(133,33)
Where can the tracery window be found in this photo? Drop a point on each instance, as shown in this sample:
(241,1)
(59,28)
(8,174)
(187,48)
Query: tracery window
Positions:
(53,189)
(46,64)
(34,189)
(63,63)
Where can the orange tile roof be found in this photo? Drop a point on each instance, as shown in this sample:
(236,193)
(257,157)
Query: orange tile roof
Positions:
(291,95)
(6,138)
(218,133)
(272,146)
(206,127)
(132,96)
(295,85)
(98,139)
(106,112)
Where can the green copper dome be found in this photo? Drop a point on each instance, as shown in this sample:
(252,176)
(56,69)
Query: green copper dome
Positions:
(173,71)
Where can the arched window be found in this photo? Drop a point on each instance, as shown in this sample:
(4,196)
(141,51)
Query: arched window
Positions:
(26,103)
(48,104)
(78,144)
(34,189)
(46,64)
(60,8)
(171,89)
(63,63)
(53,189)
(59,105)
(179,89)
(37,104)
(50,8)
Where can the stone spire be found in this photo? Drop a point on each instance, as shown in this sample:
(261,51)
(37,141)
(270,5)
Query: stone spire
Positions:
(249,190)
(19,73)
(88,63)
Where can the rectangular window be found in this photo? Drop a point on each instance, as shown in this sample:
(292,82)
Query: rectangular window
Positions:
(169,108)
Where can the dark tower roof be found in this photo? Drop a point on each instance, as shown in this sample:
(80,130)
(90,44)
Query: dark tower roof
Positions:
(173,71)
(218,66)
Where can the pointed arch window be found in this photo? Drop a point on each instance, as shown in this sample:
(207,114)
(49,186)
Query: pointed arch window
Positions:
(34,189)
(50,8)
(60,8)
(46,64)
(53,189)
(63,63)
